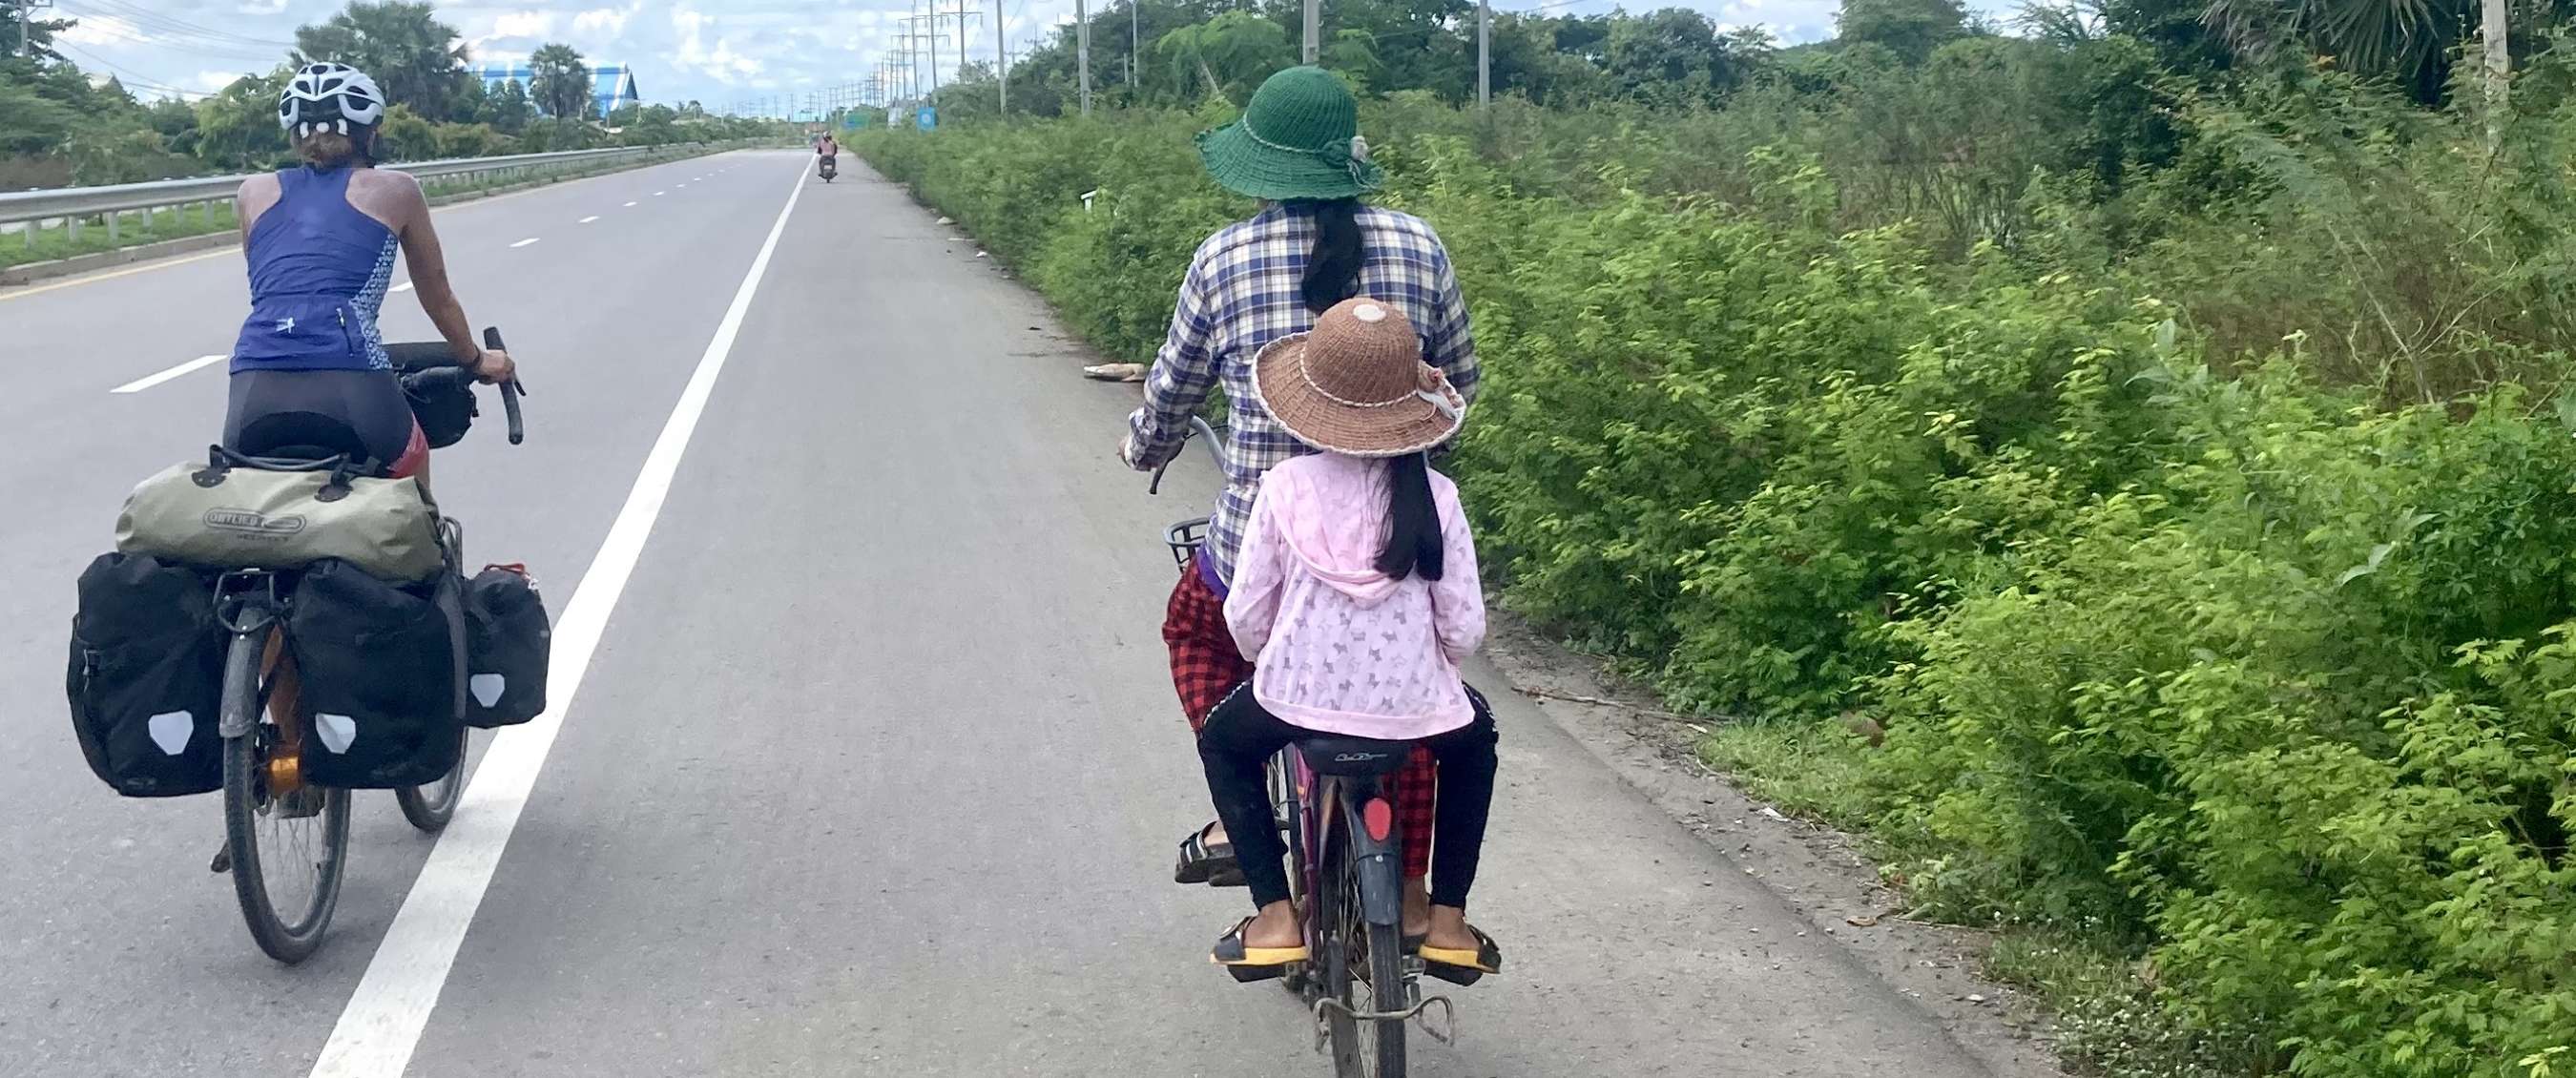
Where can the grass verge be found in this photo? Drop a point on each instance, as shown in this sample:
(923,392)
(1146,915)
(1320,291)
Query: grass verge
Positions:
(137,228)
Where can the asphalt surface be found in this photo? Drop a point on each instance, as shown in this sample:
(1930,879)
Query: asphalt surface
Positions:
(875,768)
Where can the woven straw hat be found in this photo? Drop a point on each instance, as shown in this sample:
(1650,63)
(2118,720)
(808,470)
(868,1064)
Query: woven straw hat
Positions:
(1356,384)
(1299,138)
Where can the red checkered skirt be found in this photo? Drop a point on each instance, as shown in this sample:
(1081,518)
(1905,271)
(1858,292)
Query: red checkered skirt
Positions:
(1206,666)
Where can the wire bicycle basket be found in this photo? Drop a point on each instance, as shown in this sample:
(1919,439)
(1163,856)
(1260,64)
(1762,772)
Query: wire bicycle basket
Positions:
(1185,539)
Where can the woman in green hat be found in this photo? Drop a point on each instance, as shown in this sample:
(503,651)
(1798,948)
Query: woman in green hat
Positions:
(1314,243)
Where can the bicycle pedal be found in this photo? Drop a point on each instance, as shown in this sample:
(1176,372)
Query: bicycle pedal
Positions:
(1256,974)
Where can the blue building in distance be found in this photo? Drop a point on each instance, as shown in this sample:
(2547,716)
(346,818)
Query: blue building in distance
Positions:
(611,85)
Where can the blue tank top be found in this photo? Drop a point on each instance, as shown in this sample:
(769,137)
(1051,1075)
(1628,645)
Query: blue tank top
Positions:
(318,272)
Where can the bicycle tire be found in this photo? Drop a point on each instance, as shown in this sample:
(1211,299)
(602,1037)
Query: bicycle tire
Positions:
(1333,950)
(1371,1049)
(1300,979)
(430,807)
(246,803)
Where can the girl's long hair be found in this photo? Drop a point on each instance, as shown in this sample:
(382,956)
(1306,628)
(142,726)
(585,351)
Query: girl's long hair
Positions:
(1413,543)
(1333,267)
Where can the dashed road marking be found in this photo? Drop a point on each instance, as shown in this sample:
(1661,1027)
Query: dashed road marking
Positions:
(148,381)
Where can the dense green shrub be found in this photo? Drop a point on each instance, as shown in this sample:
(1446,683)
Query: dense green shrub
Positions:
(2210,653)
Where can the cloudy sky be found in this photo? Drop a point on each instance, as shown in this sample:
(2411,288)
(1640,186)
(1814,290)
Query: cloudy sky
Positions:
(721,52)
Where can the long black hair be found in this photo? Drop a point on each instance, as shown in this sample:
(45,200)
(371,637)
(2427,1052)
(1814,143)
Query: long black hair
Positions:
(1333,267)
(1413,542)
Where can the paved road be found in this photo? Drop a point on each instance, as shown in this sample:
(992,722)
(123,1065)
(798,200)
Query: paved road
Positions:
(872,766)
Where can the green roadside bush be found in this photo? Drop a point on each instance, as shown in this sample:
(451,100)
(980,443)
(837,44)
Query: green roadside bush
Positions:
(2186,640)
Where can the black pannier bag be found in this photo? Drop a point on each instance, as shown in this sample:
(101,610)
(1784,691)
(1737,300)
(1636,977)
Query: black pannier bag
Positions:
(147,676)
(507,641)
(377,667)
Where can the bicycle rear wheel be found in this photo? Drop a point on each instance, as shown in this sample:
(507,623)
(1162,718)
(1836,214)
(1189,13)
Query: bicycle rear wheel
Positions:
(1363,970)
(430,807)
(286,852)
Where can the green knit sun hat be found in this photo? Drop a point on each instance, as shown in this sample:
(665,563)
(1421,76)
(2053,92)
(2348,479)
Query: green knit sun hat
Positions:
(1298,139)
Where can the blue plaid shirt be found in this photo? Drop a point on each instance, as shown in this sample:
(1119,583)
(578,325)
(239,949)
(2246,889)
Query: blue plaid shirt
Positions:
(1242,293)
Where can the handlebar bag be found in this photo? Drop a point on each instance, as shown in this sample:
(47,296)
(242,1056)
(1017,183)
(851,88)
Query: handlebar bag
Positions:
(147,675)
(442,401)
(507,643)
(237,512)
(377,665)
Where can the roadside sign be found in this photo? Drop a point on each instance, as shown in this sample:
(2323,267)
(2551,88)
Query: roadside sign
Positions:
(927,118)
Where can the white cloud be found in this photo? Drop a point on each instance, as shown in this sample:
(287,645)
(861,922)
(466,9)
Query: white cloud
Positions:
(605,23)
(211,81)
(523,24)
(262,7)
(719,61)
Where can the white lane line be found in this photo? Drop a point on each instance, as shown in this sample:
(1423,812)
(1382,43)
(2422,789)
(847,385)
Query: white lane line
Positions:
(523,243)
(382,1025)
(658,194)
(403,287)
(148,381)
(589,219)
(630,203)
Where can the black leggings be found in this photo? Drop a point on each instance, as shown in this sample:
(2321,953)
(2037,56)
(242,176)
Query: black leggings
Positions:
(1240,737)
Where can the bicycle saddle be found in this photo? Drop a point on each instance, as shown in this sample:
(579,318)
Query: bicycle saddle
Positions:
(1354,755)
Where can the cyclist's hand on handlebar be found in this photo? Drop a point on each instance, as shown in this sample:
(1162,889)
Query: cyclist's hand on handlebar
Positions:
(1127,450)
(495,365)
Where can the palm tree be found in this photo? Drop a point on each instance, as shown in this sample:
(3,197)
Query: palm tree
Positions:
(2407,40)
(559,79)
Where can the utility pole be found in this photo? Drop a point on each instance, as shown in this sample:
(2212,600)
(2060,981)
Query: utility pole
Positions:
(1484,54)
(1082,50)
(2499,67)
(1135,36)
(1002,57)
(1314,30)
(961,13)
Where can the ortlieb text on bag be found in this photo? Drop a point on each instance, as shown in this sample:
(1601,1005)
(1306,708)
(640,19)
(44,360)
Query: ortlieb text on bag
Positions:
(376,664)
(507,641)
(237,513)
(146,677)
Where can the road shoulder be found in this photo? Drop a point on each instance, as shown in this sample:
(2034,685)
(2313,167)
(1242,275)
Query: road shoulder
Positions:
(1816,871)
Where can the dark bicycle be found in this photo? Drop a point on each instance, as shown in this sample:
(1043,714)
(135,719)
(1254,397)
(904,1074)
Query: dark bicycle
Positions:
(1345,874)
(286,841)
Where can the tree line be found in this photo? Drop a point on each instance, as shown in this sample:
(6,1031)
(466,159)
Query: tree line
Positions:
(59,127)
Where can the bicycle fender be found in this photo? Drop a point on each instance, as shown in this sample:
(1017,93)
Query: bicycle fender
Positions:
(1381,895)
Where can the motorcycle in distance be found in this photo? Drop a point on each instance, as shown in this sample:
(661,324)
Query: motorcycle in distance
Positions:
(829,166)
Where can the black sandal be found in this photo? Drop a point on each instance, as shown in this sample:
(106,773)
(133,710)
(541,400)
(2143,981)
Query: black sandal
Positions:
(1460,967)
(1210,863)
(1249,964)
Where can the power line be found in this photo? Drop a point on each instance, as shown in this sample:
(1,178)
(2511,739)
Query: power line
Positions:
(177,27)
(114,28)
(130,78)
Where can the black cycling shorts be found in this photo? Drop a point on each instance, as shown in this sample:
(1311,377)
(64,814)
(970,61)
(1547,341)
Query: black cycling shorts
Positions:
(269,410)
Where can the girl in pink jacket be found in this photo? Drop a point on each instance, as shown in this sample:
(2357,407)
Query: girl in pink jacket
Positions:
(1356,595)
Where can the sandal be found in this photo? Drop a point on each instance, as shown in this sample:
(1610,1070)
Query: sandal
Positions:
(1210,863)
(1463,967)
(1249,964)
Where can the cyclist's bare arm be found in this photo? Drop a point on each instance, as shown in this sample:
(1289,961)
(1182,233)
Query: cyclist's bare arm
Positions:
(400,198)
(257,194)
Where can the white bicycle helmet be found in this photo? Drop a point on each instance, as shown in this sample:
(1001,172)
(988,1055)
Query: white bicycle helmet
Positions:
(329,95)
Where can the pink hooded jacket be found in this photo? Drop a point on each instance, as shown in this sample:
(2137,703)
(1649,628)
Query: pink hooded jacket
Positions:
(1338,646)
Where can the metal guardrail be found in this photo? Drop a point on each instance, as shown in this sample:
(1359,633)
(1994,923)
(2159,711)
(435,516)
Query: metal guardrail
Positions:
(71,205)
